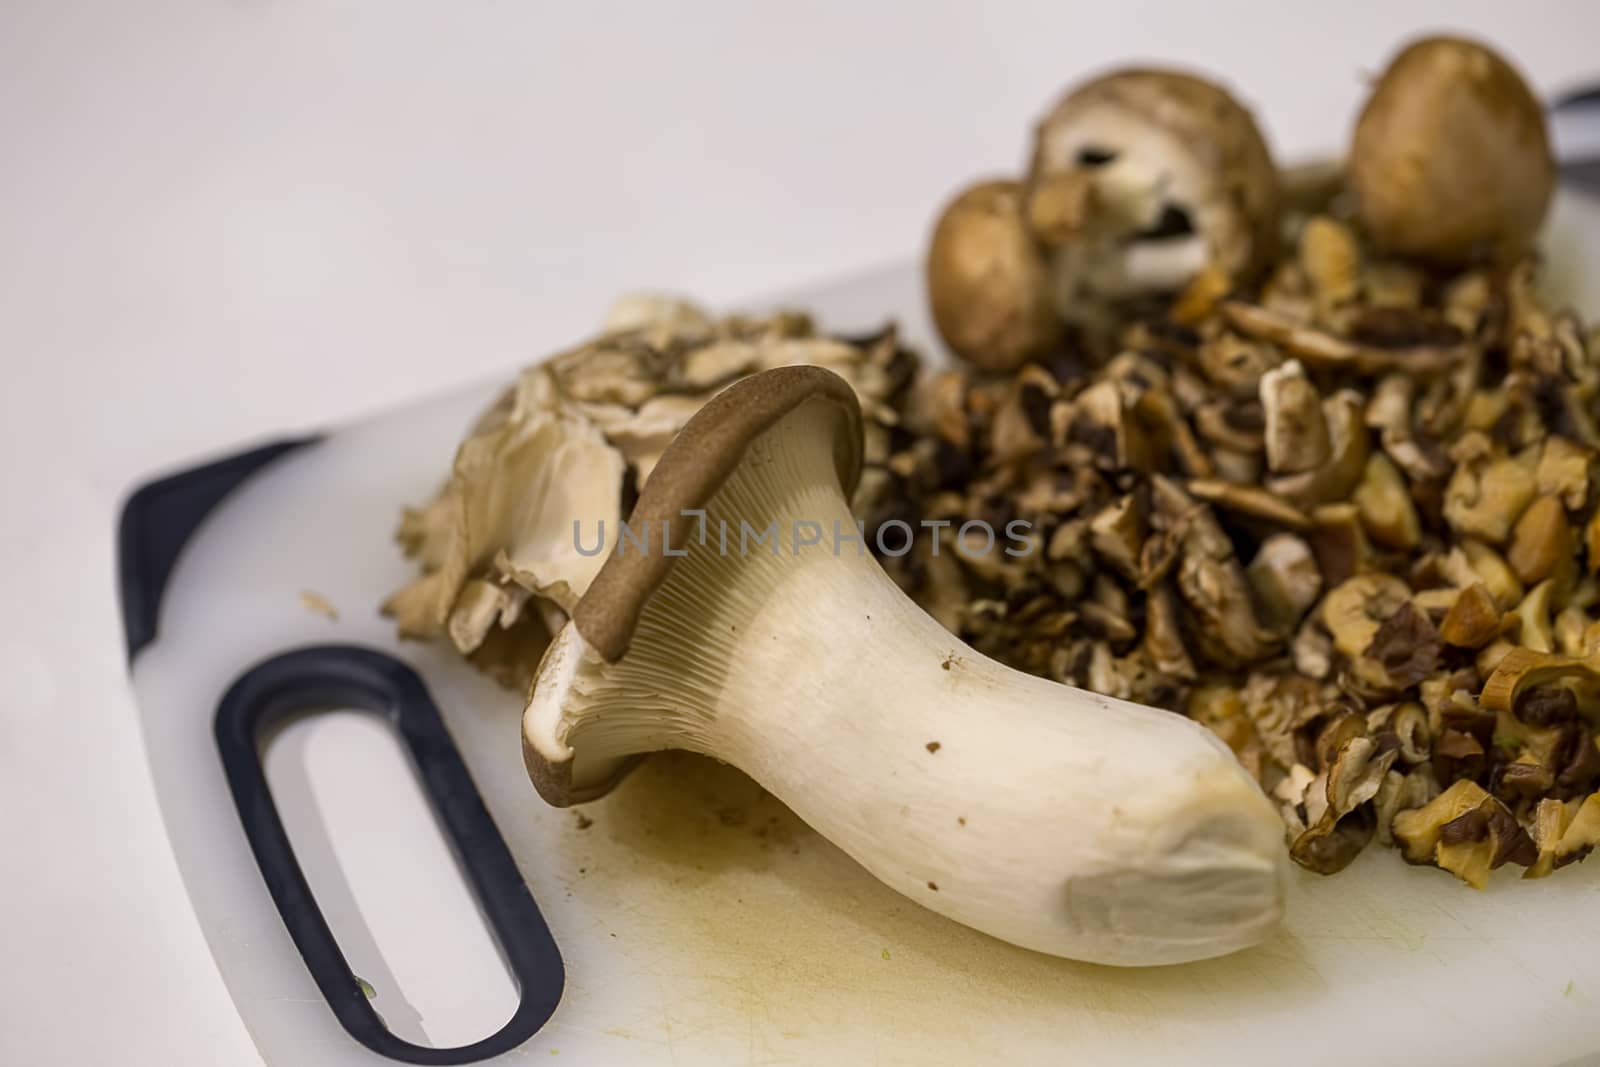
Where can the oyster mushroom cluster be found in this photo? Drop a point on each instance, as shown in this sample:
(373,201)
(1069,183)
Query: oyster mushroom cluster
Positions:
(1329,489)
(572,441)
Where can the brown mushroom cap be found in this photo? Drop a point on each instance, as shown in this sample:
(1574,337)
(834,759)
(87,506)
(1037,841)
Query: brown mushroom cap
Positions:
(1216,152)
(694,466)
(1451,159)
(988,283)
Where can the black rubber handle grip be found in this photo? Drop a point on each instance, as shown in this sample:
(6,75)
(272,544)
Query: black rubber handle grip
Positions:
(347,676)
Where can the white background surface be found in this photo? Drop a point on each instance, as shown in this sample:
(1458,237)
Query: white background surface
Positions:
(220,220)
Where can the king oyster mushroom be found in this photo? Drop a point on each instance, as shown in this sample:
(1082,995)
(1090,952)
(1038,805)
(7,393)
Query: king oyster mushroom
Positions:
(1052,818)
(1451,160)
(1143,178)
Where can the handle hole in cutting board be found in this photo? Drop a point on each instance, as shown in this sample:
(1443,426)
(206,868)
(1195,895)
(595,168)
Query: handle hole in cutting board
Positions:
(386,879)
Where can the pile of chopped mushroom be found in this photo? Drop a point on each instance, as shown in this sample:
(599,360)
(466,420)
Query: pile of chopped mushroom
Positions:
(1303,457)
(1342,510)
(572,442)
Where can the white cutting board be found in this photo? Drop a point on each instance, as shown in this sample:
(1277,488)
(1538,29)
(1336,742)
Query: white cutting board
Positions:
(701,923)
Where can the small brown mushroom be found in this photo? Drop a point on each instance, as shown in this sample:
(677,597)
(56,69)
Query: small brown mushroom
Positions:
(1451,160)
(1140,179)
(988,284)
(1231,425)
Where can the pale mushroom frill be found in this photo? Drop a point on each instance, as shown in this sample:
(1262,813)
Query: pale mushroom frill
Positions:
(537,488)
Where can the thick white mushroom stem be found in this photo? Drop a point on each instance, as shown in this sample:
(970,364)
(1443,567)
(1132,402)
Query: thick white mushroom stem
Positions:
(1050,817)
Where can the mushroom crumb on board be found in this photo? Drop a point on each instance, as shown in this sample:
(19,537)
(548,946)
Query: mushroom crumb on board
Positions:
(1342,510)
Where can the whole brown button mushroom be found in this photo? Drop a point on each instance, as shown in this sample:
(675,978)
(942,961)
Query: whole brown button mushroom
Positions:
(1451,160)
(1142,178)
(988,282)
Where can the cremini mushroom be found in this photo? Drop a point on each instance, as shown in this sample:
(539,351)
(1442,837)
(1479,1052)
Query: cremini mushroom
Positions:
(1142,179)
(1450,160)
(1088,827)
(988,284)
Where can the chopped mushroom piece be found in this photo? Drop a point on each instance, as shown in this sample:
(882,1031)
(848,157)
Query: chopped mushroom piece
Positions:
(1473,621)
(1296,434)
(1385,504)
(1522,669)
(988,285)
(1582,832)
(1339,542)
(1250,501)
(1487,495)
(1533,617)
(1406,646)
(1481,840)
(1347,460)
(1330,352)
(1565,470)
(1541,540)
(1550,821)
(1285,578)
(1418,831)
(1117,533)
(1473,562)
